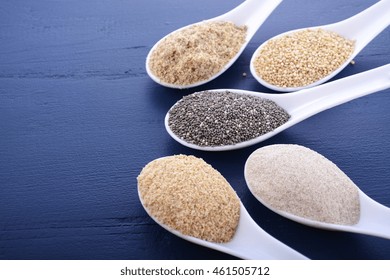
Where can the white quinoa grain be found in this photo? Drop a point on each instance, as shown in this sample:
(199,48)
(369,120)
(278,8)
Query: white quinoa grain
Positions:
(302,58)
(299,181)
(190,196)
(196,53)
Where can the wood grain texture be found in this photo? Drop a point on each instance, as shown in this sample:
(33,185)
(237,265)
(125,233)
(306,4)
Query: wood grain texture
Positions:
(79,118)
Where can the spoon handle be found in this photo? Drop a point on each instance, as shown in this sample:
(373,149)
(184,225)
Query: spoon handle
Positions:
(308,102)
(374,219)
(366,25)
(251,13)
(252,242)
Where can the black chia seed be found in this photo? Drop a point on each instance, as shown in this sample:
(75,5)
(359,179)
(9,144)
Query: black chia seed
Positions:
(224,118)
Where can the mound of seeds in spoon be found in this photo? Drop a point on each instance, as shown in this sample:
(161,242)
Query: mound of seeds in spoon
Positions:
(217,118)
(190,196)
(302,58)
(196,53)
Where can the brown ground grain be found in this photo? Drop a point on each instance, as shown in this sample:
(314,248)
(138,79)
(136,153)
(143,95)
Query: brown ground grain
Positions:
(190,196)
(196,53)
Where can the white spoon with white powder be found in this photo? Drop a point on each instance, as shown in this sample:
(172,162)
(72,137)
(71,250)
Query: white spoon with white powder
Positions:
(302,185)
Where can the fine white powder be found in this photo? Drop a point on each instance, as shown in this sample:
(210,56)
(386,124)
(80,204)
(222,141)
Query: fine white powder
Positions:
(300,181)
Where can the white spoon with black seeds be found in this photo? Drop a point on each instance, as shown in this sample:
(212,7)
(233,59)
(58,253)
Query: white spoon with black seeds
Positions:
(361,28)
(250,13)
(194,127)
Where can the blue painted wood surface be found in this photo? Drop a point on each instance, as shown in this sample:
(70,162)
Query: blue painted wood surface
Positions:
(79,118)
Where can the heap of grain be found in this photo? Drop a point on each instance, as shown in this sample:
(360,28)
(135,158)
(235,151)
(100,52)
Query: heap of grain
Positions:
(196,53)
(301,58)
(190,196)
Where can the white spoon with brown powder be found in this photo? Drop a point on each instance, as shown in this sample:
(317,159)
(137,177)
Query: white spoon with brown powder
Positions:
(249,242)
(304,186)
(300,105)
(192,56)
(307,57)
(189,198)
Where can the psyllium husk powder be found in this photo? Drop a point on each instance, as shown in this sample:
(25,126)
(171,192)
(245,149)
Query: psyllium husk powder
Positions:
(300,181)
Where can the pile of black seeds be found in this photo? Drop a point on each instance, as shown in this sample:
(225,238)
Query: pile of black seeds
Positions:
(217,118)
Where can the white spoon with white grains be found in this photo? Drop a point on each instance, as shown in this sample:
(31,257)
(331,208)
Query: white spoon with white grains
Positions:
(250,13)
(361,28)
(300,105)
(309,189)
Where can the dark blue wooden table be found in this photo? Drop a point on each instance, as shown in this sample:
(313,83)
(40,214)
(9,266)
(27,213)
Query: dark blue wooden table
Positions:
(79,118)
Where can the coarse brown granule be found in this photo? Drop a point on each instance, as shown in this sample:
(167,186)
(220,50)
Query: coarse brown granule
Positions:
(299,181)
(302,58)
(189,195)
(197,52)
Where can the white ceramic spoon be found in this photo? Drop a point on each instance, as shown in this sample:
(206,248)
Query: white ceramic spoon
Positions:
(251,13)
(362,28)
(249,241)
(308,102)
(374,217)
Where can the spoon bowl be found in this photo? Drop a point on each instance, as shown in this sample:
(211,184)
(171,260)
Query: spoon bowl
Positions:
(374,219)
(249,241)
(251,13)
(361,28)
(305,103)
